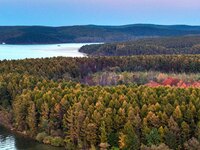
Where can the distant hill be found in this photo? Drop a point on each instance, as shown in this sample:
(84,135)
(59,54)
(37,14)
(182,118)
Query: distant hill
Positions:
(89,33)
(149,46)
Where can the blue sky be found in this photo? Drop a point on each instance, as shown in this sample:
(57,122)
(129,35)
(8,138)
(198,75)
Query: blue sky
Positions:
(101,12)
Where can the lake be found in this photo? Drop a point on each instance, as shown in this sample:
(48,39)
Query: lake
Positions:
(11,141)
(40,51)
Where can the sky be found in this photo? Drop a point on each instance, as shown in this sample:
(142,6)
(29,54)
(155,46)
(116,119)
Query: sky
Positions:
(99,12)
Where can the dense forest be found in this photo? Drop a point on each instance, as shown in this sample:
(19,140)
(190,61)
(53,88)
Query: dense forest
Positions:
(152,46)
(89,33)
(51,100)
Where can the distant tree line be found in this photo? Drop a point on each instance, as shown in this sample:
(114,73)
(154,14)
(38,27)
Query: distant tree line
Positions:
(77,68)
(154,46)
(89,33)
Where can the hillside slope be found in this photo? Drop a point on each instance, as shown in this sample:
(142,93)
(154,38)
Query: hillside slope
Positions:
(151,46)
(89,33)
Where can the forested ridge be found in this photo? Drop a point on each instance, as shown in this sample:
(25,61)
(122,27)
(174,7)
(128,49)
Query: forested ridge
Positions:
(47,101)
(149,46)
(89,33)
(79,67)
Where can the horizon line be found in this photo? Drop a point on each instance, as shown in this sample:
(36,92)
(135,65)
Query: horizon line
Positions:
(38,25)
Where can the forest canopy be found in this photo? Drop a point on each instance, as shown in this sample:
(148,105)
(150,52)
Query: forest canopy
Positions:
(47,101)
(90,33)
(150,46)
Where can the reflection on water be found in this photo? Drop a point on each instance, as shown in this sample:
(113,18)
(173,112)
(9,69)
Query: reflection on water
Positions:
(10,141)
(39,51)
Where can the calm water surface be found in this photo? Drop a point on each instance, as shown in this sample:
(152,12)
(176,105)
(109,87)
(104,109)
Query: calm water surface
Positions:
(10,141)
(39,51)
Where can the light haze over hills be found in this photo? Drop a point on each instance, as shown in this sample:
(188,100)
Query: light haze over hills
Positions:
(89,33)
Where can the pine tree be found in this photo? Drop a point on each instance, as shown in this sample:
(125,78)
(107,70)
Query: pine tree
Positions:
(103,137)
(172,136)
(153,138)
(177,114)
(91,134)
(185,131)
(128,138)
(31,119)
(122,140)
(162,133)
(44,118)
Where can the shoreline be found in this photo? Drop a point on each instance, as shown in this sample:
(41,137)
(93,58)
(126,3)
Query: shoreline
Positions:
(40,51)
(5,122)
(5,119)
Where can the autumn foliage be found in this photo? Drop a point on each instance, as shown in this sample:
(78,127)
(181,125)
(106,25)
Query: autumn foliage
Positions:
(47,101)
(173,82)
